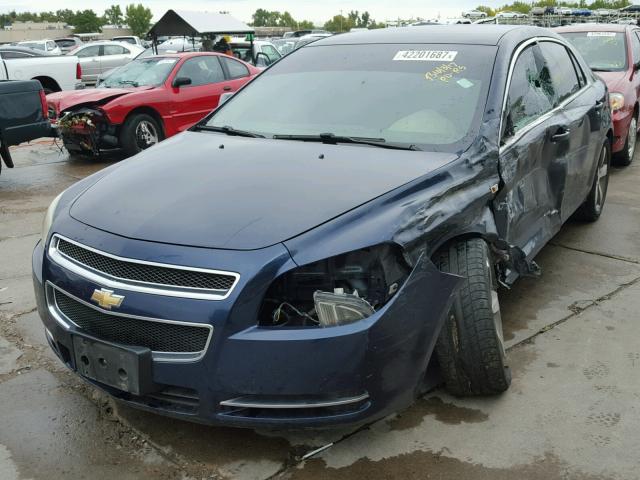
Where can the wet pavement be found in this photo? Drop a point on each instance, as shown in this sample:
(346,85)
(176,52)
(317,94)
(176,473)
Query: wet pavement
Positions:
(571,413)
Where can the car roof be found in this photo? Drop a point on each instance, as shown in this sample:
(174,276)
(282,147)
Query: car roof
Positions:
(452,34)
(187,54)
(595,27)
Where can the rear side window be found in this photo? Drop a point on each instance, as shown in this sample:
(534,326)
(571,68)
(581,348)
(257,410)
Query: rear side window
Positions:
(9,55)
(236,69)
(558,72)
(92,51)
(528,96)
(114,50)
(635,49)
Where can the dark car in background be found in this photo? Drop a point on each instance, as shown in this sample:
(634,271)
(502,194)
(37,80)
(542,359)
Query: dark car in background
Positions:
(330,240)
(23,115)
(613,53)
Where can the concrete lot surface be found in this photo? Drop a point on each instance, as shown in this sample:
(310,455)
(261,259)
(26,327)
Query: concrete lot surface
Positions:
(573,411)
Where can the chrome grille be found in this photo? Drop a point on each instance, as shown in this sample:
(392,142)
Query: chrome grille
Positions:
(159,336)
(145,273)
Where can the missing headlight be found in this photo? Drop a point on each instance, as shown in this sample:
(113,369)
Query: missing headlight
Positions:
(337,290)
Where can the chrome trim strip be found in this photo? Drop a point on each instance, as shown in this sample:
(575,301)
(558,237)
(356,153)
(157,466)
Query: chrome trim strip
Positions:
(144,287)
(177,357)
(544,116)
(246,402)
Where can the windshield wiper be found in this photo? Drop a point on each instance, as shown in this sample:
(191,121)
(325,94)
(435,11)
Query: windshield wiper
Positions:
(228,130)
(333,139)
(128,82)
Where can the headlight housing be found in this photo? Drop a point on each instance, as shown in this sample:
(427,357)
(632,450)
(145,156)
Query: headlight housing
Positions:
(48,218)
(616,100)
(335,291)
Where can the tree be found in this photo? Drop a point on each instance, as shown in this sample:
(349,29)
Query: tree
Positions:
(86,21)
(139,19)
(265,18)
(113,15)
(339,24)
(488,10)
(65,15)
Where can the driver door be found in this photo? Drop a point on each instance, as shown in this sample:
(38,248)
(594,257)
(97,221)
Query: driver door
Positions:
(534,144)
(191,103)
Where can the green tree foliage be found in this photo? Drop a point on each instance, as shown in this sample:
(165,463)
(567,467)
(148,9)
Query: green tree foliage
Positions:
(523,7)
(86,21)
(488,10)
(266,18)
(138,18)
(354,19)
(113,15)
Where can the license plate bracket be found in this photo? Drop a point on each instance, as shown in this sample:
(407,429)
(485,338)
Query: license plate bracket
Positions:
(126,368)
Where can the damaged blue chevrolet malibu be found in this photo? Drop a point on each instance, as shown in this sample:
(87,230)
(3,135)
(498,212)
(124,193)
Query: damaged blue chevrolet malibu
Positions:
(328,244)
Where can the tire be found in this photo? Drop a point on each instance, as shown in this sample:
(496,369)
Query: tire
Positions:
(139,132)
(625,156)
(592,207)
(470,347)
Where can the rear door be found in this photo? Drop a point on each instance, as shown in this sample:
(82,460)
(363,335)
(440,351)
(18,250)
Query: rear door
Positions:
(532,164)
(236,73)
(190,103)
(113,56)
(89,58)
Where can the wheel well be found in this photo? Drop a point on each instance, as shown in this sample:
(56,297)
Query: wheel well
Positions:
(149,111)
(48,82)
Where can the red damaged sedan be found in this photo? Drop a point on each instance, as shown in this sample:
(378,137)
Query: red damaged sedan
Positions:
(613,52)
(145,101)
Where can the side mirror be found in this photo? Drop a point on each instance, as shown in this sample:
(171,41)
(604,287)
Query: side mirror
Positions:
(181,82)
(225,96)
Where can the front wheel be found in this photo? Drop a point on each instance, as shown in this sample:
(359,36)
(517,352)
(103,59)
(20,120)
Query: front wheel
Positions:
(591,209)
(470,348)
(139,132)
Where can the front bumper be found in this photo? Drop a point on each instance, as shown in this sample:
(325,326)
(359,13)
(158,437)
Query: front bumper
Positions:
(253,376)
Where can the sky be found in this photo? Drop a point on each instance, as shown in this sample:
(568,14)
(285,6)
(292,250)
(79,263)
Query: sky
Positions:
(317,11)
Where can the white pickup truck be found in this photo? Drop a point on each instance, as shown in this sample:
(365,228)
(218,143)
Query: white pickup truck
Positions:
(55,73)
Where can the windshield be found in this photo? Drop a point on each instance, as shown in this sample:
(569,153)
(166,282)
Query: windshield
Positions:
(37,46)
(603,51)
(141,72)
(429,96)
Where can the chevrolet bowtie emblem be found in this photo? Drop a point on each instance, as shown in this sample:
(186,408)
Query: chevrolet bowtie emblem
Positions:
(106,298)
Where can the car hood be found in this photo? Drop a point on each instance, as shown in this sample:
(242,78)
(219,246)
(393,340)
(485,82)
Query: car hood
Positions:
(216,191)
(67,99)
(613,79)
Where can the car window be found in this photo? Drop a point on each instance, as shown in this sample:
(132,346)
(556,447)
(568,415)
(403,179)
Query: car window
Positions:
(126,39)
(391,92)
(581,75)
(92,51)
(558,70)
(9,55)
(528,96)
(114,50)
(236,69)
(603,51)
(202,70)
(635,49)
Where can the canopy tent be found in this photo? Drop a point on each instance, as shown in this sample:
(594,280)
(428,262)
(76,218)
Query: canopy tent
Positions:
(196,24)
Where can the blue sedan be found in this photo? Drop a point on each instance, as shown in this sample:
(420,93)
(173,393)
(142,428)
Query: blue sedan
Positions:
(329,243)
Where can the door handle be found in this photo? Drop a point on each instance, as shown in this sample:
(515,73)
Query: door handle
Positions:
(227,88)
(560,134)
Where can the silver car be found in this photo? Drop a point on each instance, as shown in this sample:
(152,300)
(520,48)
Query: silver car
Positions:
(98,57)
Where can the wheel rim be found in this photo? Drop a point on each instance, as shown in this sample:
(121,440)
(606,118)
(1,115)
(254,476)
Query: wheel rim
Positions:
(602,180)
(146,134)
(632,137)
